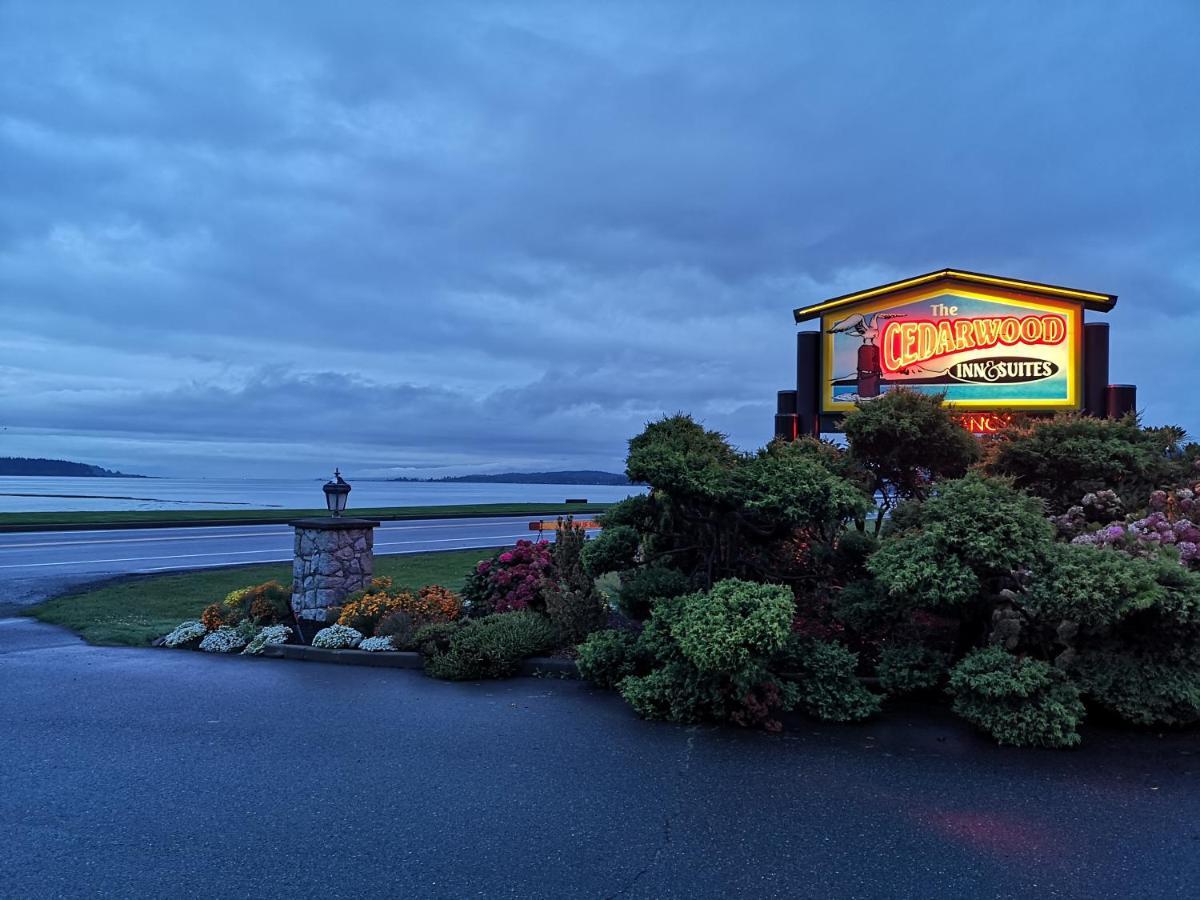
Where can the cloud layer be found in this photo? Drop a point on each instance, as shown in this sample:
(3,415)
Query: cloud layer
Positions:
(483,236)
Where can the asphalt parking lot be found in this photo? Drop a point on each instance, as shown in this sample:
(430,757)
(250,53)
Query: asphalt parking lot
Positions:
(154,773)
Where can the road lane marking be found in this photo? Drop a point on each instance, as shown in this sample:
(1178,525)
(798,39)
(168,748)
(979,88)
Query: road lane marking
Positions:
(85,562)
(245,534)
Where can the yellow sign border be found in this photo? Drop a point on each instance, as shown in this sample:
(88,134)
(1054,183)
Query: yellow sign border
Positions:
(1073,312)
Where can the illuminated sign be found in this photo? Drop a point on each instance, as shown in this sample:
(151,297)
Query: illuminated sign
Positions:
(991,346)
(983,348)
(985,423)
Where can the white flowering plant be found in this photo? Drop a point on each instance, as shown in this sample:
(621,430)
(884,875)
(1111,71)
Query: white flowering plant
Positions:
(383,642)
(185,633)
(337,637)
(271,634)
(223,640)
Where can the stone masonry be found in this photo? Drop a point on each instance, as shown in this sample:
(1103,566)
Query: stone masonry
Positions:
(334,558)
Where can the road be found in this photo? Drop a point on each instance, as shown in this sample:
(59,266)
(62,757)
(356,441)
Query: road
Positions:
(37,565)
(134,773)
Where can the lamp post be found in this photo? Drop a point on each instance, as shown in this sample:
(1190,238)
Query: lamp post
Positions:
(334,555)
(337,492)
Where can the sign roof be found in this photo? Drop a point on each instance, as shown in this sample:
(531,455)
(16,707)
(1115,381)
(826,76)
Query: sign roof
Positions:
(1087,299)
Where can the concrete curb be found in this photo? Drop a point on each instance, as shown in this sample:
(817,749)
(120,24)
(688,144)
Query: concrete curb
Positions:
(536,666)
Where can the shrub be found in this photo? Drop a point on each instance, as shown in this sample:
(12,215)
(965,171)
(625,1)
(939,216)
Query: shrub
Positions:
(1063,458)
(513,579)
(376,644)
(905,668)
(491,647)
(215,616)
(400,628)
(613,550)
(607,657)
(337,637)
(906,440)
(959,543)
(223,640)
(574,605)
(1144,689)
(267,636)
(708,653)
(1023,702)
(267,603)
(828,687)
(435,603)
(1091,587)
(185,634)
(574,613)
(435,637)
(363,614)
(642,587)
(270,603)
(733,624)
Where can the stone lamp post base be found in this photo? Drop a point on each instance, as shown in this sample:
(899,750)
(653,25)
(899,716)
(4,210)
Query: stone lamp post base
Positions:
(334,558)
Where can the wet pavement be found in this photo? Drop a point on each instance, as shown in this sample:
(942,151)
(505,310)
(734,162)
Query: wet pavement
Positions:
(154,773)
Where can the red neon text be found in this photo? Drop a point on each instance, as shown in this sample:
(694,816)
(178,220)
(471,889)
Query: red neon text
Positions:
(912,341)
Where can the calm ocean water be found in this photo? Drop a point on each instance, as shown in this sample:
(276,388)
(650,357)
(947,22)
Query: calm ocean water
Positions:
(56,494)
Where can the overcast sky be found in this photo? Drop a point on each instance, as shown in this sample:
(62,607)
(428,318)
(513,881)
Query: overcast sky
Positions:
(265,238)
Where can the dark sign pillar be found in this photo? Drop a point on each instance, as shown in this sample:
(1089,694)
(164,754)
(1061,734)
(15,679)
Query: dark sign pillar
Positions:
(1095,369)
(808,382)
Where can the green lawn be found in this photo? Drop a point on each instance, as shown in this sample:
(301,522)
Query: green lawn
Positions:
(135,611)
(42,520)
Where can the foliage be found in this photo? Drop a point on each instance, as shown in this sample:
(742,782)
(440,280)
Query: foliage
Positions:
(640,588)
(733,624)
(574,605)
(714,513)
(337,637)
(215,616)
(613,550)
(824,671)
(1145,688)
(224,640)
(1090,587)
(681,458)
(574,613)
(491,647)
(512,579)
(607,657)
(1023,702)
(960,542)
(400,628)
(907,440)
(268,603)
(185,634)
(1065,457)
(364,613)
(435,637)
(707,656)
(905,668)
(268,635)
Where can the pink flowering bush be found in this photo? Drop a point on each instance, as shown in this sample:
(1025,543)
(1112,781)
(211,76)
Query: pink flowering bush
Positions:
(511,580)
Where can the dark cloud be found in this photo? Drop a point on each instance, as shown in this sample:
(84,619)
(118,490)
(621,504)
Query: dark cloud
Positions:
(483,234)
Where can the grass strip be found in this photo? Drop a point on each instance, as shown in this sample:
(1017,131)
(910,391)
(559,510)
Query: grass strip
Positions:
(152,518)
(135,610)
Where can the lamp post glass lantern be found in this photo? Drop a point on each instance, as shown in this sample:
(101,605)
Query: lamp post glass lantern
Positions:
(336,493)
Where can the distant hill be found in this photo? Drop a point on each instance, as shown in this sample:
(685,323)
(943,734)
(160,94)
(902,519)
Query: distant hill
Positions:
(572,477)
(60,468)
